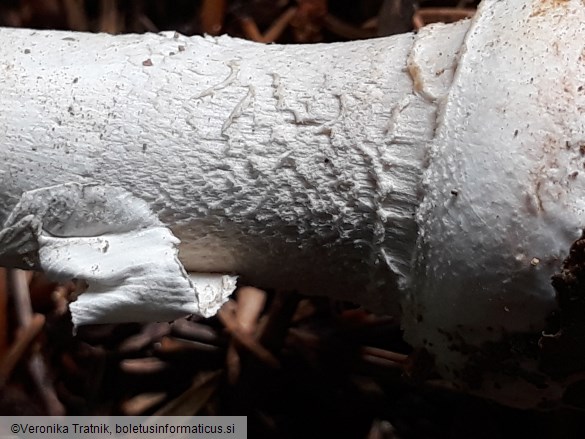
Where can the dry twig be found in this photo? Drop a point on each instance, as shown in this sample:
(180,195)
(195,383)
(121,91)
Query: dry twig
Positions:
(75,14)
(227,317)
(194,399)
(25,338)
(212,15)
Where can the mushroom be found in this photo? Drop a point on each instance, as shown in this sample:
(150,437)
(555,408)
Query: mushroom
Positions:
(436,176)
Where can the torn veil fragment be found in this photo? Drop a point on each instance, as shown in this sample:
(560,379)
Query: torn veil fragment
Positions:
(108,238)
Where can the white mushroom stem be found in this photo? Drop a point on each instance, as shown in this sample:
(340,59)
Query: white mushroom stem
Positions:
(439,172)
(294,167)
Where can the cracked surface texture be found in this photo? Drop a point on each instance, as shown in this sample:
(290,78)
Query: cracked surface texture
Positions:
(296,167)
